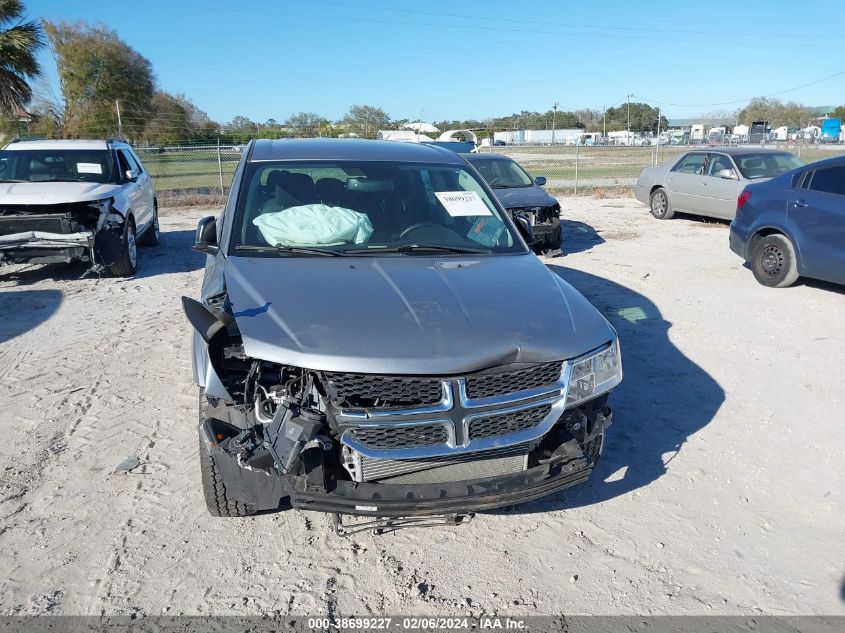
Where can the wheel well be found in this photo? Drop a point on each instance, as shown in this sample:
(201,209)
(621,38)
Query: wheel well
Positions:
(654,188)
(764,233)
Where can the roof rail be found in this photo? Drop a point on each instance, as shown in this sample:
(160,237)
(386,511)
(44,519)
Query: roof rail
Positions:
(20,139)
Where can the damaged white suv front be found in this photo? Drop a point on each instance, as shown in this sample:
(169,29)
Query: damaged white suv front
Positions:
(63,201)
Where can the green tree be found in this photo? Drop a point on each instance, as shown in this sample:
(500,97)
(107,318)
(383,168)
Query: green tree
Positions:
(643,118)
(365,120)
(96,70)
(838,112)
(169,122)
(19,41)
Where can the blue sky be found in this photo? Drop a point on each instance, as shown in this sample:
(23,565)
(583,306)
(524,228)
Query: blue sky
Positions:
(444,59)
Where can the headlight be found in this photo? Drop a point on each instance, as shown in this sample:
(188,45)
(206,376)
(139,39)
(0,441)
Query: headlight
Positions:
(594,374)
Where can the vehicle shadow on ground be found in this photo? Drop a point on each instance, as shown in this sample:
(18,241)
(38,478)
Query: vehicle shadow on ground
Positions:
(818,284)
(700,219)
(579,237)
(23,310)
(173,255)
(664,398)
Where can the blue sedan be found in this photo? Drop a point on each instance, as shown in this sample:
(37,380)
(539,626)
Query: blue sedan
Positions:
(794,225)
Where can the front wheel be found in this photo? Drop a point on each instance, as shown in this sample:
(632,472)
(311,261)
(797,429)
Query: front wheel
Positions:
(217,498)
(152,236)
(659,203)
(773,261)
(127,260)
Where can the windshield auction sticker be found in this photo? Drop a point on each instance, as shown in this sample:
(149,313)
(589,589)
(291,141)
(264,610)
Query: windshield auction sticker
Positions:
(89,168)
(462,203)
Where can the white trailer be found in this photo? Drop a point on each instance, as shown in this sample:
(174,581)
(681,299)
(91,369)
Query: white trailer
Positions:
(780,133)
(696,132)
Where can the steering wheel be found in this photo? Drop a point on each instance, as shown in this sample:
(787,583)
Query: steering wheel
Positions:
(420,225)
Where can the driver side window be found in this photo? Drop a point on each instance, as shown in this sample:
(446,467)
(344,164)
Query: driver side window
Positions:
(718,162)
(123,165)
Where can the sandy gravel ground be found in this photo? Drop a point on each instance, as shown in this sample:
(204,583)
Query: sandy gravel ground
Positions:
(720,491)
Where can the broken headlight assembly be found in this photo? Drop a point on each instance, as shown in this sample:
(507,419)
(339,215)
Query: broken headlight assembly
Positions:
(594,374)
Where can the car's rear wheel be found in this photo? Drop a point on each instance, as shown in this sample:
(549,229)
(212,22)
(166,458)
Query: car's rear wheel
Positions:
(217,498)
(659,203)
(773,261)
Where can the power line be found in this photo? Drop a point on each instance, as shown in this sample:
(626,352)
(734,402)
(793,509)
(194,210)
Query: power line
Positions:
(721,103)
(473,27)
(546,23)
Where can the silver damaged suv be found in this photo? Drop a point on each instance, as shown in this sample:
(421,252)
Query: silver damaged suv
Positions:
(375,338)
(75,200)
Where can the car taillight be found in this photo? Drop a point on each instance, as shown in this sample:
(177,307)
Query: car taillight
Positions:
(743,198)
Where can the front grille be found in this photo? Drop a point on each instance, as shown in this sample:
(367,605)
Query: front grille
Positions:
(398,437)
(504,424)
(365,390)
(462,467)
(499,383)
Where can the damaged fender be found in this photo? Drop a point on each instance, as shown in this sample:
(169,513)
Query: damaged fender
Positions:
(206,326)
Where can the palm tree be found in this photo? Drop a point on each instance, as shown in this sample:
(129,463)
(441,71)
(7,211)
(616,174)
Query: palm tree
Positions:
(19,40)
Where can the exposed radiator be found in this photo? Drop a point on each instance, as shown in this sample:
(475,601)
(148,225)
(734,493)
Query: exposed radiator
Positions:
(461,467)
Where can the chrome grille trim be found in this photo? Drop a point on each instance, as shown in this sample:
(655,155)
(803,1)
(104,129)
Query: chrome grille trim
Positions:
(455,411)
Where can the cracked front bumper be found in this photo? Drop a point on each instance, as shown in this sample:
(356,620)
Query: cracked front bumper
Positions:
(317,489)
(46,247)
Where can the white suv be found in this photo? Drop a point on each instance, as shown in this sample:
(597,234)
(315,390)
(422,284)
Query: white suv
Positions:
(63,201)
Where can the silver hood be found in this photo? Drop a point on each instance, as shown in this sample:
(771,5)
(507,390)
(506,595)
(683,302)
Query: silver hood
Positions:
(408,315)
(54,192)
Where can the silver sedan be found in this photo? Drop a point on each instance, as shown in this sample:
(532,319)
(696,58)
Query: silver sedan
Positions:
(708,181)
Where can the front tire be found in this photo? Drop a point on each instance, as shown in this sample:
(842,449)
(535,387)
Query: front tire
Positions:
(126,263)
(773,261)
(152,237)
(217,499)
(659,204)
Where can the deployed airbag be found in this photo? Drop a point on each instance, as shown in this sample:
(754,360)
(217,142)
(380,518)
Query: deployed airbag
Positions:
(314,224)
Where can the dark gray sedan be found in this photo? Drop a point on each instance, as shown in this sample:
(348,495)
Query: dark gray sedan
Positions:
(521,194)
(708,181)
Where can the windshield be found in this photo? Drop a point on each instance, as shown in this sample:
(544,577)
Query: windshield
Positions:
(502,174)
(766,165)
(56,165)
(362,208)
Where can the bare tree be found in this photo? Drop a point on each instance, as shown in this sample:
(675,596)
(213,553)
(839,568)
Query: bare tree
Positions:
(366,120)
(305,123)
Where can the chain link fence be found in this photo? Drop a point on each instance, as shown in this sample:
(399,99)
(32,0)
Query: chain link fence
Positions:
(585,169)
(202,174)
(191,174)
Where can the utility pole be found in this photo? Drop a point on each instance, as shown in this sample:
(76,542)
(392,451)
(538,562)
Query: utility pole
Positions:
(604,122)
(554,115)
(658,124)
(628,136)
(119,124)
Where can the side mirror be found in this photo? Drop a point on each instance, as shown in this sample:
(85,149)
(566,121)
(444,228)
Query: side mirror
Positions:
(206,238)
(729,174)
(523,225)
(540,180)
(132,175)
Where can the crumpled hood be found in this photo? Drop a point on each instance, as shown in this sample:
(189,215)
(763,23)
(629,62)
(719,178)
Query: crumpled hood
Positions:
(54,192)
(534,196)
(408,315)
